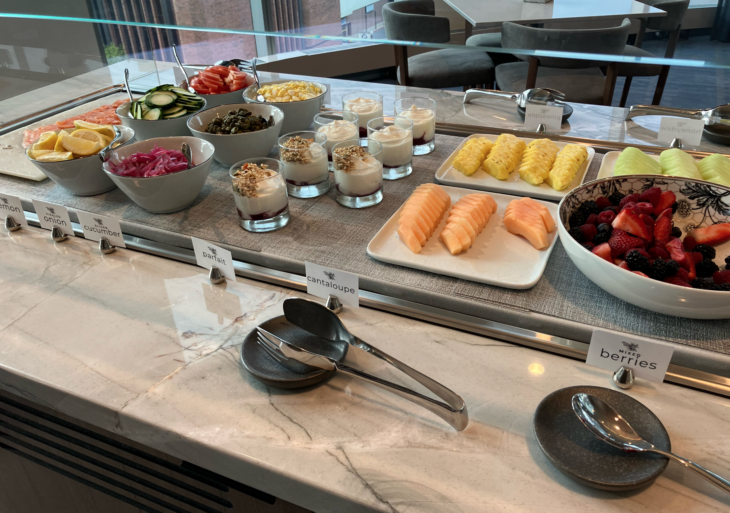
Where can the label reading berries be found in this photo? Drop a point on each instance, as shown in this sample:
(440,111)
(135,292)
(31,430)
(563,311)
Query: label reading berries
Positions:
(611,350)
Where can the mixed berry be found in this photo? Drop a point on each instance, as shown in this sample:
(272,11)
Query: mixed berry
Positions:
(636,233)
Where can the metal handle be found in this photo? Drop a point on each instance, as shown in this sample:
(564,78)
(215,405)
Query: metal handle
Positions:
(457,418)
(455,402)
(471,94)
(656,110)
(713,478)
(126,84)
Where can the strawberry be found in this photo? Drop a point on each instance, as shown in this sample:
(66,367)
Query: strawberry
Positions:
(721,277)
(695,256)
(629,198)
(592,219)
(620,242)
(622,264)
(667,212)
(689,243)
(674,280)
(666,200)
(640,273)
(663,229)
(603,202)
(658,252)
(630,222)
(676,251)
(607,216)
(645,208)
(682,275)
(651,195)
(648,220)
(712,235)
(603,251)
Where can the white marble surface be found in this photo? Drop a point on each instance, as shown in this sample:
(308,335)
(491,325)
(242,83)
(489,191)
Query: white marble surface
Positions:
(146,348)
(482,13)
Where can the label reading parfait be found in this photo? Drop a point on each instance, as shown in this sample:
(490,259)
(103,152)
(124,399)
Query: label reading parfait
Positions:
(548,115)
(611,350)
(323,281)
(209,255)
(51,215)
(10,207)
(95,227)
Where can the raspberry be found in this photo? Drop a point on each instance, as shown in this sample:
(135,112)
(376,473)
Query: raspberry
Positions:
(721,277)
(616,198)
(651,195)
(683,274)
(677,281)
(631,198)
(592,219)
(630,206)
(603,202)
(708,253)
(645,208)
(689,243)
(696,257)
(607,217)
(706,268)
(613,209)
(637,261)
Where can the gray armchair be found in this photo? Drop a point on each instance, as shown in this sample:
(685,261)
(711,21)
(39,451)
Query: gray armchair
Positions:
(582,81)
(414,20)
(672,23)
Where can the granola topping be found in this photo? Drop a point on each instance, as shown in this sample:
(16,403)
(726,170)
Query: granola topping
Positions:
(344,158)
(297,156)
(245,180)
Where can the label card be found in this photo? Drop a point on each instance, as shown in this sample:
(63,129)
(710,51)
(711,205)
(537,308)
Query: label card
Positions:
(411,94)
(323,281)
(328,95)
(549,115)
(611,350)
(688,130)
(95,227)
(51,215)
(10,207)
(209,255)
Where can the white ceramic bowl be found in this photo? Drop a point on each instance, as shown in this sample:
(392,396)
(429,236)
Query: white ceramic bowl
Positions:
(83,176)
(694,210)
(232,148)
(297,115)
(214,100)
(149,129)
(166,193)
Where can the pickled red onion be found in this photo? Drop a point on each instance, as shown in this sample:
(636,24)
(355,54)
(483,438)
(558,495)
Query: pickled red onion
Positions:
(157,162)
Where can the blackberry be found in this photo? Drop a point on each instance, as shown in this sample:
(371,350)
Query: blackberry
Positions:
(588,245)
(676,232)
(601,237)
(708,253)
(675,205)
(616,198)
(591,207)
(724,286)
(672,267)
(576,233)
(607,228)
(706,268)
(704,284)
(727,262)
(578,218)
(637,262)
(658,269)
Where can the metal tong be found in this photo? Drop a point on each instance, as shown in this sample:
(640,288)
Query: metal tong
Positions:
(247,67)
(540,96)
(720,115)
(320,321)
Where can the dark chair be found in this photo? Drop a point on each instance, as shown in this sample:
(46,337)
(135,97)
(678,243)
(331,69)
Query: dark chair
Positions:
(492,40)
(671,23)
(582,81)
(414,20)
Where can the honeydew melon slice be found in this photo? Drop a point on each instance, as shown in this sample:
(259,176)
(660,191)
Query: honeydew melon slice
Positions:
(633,161)
(675,162)
(715,168)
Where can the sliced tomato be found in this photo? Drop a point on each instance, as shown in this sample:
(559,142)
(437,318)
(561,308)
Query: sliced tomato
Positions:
(218,70)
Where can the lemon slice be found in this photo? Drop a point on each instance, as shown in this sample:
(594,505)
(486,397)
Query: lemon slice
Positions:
(46,142)
(105,130)
(81,146)
(91,135)
(34,154)
(59,144)
(55,156)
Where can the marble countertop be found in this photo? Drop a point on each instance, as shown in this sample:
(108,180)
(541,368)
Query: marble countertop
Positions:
(147,348)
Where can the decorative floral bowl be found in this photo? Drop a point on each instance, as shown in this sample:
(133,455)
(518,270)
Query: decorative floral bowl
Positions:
(699,204)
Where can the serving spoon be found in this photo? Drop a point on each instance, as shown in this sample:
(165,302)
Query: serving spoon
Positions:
(182,70)
(537,95)
(608,425)
(185,150)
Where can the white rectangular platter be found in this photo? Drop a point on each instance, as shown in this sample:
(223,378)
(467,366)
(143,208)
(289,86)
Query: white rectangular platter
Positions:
(496,258)
(13,161)
(483,181)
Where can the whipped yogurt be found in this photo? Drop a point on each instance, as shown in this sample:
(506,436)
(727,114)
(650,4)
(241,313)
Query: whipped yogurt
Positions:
(304,162)
(397,145)
(424,124)
(259,193)
(337,131)
(358,176)
(366,109)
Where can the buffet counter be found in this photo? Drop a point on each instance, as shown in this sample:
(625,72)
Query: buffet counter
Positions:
(147,349)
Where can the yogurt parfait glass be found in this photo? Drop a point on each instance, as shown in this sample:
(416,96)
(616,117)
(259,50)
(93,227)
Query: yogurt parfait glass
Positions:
(259,190)
(338,126)
(304,164)
(395,134)
(366,105)
(358,173)
(422,111)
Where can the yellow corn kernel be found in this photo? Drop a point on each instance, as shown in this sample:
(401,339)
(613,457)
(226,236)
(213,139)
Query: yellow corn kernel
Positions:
(504,157)
(471,156)
(537,161)
(566,166)
(289,92)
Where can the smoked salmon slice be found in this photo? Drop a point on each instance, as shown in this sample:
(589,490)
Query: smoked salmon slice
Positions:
(466,220)
(421,215)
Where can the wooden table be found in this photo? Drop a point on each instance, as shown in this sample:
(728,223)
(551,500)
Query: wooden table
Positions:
(489,13)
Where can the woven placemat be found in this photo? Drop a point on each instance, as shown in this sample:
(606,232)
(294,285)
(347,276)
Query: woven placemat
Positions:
(563,303)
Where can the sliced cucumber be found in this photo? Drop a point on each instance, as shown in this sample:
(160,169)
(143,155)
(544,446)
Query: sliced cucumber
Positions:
(171,110)
(161,99)
(182,92)
(178,114)
(153,114)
